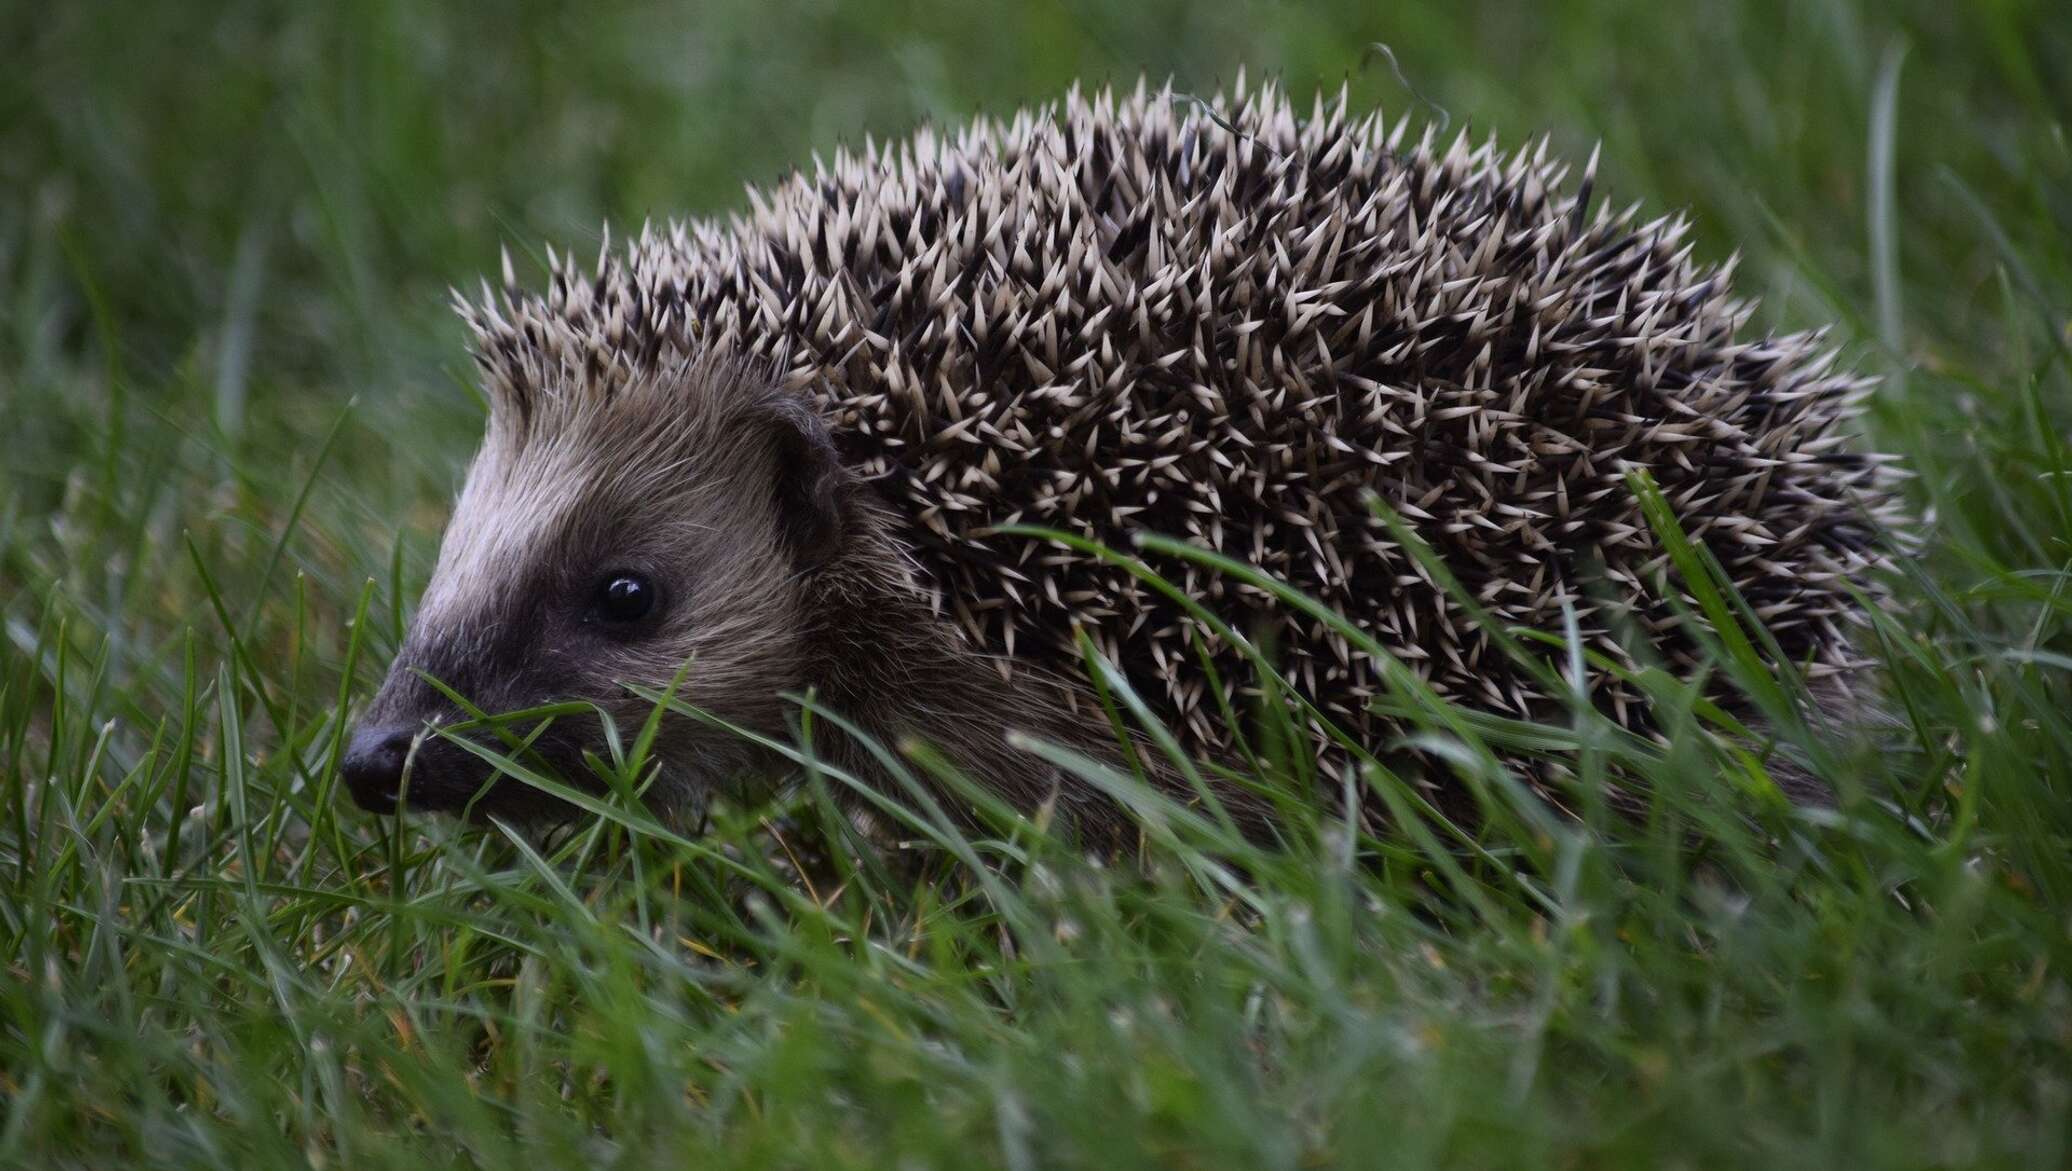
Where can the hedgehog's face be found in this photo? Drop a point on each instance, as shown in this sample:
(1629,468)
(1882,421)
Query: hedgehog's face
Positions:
(626,544)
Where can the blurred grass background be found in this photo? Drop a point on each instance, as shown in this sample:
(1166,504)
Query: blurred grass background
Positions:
(231,416)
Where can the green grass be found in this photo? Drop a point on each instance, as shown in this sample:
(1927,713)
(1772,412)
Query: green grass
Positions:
(231,415)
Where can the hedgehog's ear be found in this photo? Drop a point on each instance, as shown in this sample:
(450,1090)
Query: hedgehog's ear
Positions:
(812,486)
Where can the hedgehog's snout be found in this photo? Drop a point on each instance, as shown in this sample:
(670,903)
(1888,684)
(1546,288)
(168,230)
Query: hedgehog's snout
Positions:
(388,766)
(413,750)
(375,758)
(395,757)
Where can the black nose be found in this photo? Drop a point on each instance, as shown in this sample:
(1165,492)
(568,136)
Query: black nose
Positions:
(373,766)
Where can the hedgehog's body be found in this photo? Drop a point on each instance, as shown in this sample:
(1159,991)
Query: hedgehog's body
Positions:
(1232,327)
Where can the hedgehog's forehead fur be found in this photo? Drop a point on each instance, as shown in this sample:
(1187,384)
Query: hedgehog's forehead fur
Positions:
(1223,322)
(642,459)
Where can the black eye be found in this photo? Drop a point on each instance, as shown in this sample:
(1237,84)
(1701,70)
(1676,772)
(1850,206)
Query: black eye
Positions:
(624,597)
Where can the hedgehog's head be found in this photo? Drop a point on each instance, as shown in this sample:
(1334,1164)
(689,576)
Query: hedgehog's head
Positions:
(609,533)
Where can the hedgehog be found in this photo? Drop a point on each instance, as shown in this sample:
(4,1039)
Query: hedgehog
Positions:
(797,451)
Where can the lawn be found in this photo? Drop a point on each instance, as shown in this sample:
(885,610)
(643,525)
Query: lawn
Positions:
(233,409)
